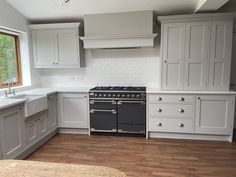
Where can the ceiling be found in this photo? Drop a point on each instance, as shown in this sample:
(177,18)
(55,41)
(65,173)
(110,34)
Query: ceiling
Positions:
(46,10)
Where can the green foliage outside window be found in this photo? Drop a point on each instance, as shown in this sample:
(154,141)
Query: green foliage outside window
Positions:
(8,59)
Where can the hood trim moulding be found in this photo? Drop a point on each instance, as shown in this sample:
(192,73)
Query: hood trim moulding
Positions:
(124,41)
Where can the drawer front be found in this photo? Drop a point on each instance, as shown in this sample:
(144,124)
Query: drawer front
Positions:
(162,98)
(171,125)
(175,110)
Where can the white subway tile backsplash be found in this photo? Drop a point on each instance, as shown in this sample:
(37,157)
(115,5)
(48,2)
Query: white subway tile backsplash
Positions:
(138,67)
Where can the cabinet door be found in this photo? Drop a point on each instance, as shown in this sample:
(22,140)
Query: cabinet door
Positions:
(220,54)
(173,55)
(44,47)
(31,131)
(196,55)
(42,125)
(214,114)
(12,132)
(67,43)
(52,112)
(73,110)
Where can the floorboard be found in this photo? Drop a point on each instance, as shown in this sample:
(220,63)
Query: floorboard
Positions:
(139,157)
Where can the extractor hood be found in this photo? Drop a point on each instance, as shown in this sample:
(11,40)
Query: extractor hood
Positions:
(119,30)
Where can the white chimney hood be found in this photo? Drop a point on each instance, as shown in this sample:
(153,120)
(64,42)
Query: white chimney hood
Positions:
(119,30)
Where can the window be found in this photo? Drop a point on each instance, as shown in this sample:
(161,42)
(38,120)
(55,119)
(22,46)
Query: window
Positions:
(10,69)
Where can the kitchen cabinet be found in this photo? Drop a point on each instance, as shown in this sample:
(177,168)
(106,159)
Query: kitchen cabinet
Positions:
(31,131)
(196,51)
(196,55)
(171,113)
(57,45)
(52,112)
(220,54)
(12,131)
(73,110)
(206,116)
(214,114)
(173,55)
(36,127)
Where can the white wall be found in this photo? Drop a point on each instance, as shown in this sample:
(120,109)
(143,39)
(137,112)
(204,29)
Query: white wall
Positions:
(12,19)
(138,67)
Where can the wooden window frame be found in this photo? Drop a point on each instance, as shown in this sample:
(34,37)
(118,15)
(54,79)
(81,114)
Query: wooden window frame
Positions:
(18,61)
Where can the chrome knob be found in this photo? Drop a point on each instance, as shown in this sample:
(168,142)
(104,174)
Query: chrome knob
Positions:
(159,110)
(95,95)
(104,95)
(123,95)
(181,110)
(159,124)
(127,95)
(133,96)
(181,125)
(113,95)
(118,95)
(109,95)
(100,95)
(181,99)
(137,95)
(159,98)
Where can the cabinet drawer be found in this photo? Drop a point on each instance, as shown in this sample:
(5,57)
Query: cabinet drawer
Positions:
(162,98)
(175,110)
(171,125)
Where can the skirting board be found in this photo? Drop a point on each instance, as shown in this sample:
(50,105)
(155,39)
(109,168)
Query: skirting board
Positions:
(37,145)
(82,131)
(190,136)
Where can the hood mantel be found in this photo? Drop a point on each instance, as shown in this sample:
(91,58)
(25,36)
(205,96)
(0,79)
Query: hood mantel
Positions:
(119,30)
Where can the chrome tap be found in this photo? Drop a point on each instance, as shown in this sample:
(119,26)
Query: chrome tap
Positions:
(10,91)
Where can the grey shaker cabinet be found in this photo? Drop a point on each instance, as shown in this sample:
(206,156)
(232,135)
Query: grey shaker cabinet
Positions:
(196,52)
(214,114)
(12,131)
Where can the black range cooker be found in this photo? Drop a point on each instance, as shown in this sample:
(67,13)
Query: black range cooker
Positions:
(118,110)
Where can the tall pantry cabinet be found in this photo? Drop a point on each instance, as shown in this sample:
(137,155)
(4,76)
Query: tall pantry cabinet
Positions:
(196,51)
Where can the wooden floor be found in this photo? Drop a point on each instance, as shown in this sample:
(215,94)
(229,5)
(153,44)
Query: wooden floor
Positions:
(143,158)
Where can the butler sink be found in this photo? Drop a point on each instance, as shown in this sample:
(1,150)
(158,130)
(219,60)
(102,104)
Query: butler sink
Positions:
(34,103)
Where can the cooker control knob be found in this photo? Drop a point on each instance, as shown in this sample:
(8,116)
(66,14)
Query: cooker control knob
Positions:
(113,95)
(118,95)
(100,95)
(132,95)
(109,95)
(127,95)
(123,95)
(104,95)
(95,95)
(137,95)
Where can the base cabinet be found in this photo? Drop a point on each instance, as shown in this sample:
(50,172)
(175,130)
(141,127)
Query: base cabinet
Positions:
(73,110)
(36,127)
(12,131)
(214,114)
(206,116)
(53,112)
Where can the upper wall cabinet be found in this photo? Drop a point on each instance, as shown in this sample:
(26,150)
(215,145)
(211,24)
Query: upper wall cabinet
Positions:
(196,51)
(57,45)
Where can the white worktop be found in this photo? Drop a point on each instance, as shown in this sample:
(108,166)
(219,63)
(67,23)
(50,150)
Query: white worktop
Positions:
(48,91)
(4,103)
(157,90)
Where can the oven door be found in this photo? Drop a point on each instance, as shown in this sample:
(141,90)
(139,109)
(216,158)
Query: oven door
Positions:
(131,116)
(103,116)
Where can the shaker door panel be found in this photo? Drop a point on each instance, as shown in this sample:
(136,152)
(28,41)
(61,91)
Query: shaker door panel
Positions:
(196,55)
(173,55)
